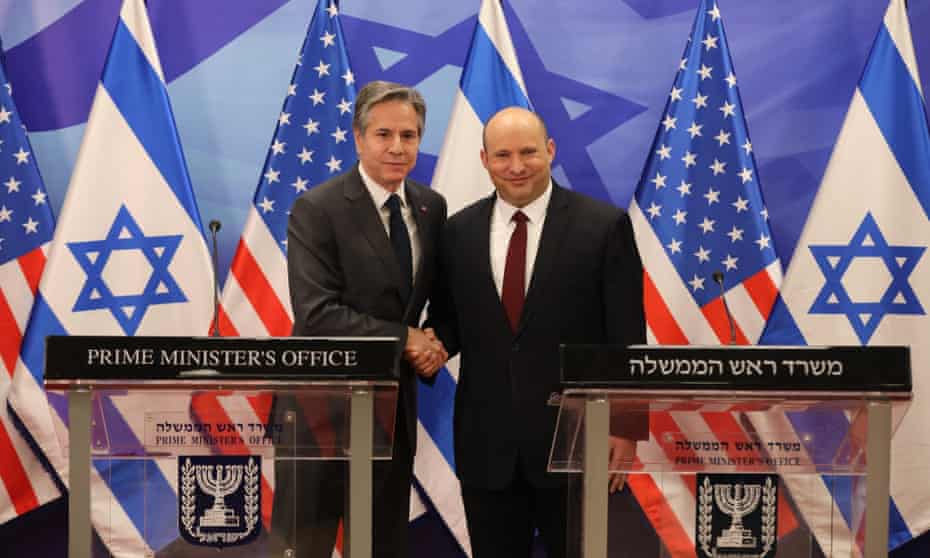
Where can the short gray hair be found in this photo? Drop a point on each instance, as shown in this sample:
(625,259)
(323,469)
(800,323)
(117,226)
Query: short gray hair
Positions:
(376,92)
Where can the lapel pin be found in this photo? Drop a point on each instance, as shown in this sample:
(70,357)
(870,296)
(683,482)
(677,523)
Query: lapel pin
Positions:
(422,209)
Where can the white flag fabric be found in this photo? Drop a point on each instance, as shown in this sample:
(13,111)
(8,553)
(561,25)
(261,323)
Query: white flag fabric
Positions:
(860,274)
(128,257)
(491,80)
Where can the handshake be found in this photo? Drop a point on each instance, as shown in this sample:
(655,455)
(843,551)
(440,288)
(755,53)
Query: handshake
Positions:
(424,351)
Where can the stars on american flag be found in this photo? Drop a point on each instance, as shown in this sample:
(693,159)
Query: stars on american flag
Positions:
(329,39)
(322,69)
(334,164)
(349,77)
(305,156)
(26,220)
(312,126)
(12,185)
(714,220)
(311,142)
(317,97)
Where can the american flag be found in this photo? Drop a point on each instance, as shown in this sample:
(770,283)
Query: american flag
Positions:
(26,227)
(698,205)
(312,142)
(701,227)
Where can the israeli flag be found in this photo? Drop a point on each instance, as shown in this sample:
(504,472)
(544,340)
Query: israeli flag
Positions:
(491,80)
(861,273)
(129,257)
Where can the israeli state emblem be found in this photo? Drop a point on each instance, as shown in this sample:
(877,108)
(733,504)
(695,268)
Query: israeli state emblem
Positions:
(737,515)
(219,503)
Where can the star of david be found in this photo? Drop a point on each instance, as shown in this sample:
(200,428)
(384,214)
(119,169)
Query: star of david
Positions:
(867,242)
(426,55)
(161,287)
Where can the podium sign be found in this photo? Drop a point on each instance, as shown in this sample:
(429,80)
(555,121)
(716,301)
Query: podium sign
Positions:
(176,445)
(752,451)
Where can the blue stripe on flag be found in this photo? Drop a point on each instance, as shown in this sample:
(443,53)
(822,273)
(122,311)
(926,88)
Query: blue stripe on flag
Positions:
(142,99)
(434,403)
(487,82)
(898,531)
(780,328)
(42,323)
(125,478)
(898,108)
(153,511)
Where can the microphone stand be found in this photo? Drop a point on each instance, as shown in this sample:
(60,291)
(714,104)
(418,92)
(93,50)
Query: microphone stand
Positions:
(215,227)
(718,278)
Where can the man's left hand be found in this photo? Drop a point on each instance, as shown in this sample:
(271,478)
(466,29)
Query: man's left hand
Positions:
(622,452)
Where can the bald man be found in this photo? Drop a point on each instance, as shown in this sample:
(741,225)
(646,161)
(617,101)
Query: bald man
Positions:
(523,271)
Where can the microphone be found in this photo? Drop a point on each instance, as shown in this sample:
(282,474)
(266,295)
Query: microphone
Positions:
(215,227)
(718,278)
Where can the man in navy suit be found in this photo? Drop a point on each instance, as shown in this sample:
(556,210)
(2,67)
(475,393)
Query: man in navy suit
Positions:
(529,268)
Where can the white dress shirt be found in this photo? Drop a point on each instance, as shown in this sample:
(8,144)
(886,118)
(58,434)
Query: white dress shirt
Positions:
(502,226)
(380,195)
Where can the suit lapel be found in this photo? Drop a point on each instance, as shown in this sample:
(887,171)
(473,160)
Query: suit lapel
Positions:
(426,235)
(365,215)
(550,245)
(478,258)
(425,232)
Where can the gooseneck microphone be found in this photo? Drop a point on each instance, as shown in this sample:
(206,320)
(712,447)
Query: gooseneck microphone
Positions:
(215,227)
(718,278)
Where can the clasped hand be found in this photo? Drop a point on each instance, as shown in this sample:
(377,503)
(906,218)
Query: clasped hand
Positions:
(424,351)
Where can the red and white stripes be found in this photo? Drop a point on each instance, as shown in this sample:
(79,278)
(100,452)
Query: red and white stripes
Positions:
(255,301)
(24,483)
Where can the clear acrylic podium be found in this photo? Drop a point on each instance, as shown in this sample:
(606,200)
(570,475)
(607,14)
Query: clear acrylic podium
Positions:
(752,451)
(176,445)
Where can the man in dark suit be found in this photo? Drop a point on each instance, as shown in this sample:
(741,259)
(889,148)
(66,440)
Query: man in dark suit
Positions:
(362,258)
(529,268)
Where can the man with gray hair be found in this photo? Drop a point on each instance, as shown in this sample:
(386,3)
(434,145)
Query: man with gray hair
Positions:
(362,258)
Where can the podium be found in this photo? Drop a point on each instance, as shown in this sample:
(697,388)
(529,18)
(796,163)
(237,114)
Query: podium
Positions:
(175,445)
(752,451)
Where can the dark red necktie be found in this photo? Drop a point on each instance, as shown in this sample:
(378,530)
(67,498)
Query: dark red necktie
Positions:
(515,272)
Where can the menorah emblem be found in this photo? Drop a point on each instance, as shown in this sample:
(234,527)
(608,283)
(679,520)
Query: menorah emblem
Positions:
(219,481)
(219,499)
(737,500)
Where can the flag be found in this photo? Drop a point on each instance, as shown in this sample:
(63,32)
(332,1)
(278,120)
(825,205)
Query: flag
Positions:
(860,274)
(26,227)
(128,257)
(312,142)
(491,80)
(701,228)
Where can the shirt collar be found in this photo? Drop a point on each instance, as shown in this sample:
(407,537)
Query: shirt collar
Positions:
(535,210)
(380,194)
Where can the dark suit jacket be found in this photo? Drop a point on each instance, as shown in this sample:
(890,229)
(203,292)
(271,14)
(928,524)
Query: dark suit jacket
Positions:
(344,278)
(586,287)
